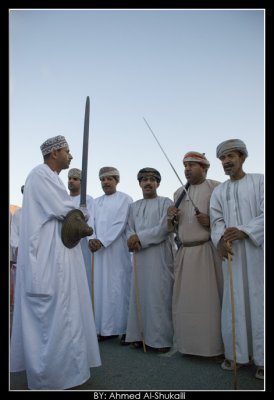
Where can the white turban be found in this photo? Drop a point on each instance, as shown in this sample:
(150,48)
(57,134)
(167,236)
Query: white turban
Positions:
(231,145)
(194,156)
(109,171)
(75,173)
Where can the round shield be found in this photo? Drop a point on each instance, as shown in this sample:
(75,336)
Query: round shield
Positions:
(74,228)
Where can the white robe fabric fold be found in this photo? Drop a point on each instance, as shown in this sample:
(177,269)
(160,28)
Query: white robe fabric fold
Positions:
(14,233)
(14,241)
(241,204)
(155,268)
(53,334)
(112,264)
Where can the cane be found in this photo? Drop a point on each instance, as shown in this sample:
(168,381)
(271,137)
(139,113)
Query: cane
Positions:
(92,284)
(137,303)
(233,321)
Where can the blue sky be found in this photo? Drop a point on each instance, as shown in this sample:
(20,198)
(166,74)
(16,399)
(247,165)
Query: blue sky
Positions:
(197,76)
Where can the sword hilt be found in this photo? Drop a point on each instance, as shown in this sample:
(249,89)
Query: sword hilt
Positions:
(197,211)
(182,195)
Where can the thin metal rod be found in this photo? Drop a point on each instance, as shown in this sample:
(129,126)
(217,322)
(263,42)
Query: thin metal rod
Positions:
(195,208)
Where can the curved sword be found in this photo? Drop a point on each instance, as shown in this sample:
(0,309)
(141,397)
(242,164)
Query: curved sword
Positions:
(185,189)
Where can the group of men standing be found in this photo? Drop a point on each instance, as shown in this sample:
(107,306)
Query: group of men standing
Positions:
(129,278)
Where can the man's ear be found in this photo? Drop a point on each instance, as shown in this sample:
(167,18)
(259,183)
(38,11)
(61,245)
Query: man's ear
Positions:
(242,156)
(53,153)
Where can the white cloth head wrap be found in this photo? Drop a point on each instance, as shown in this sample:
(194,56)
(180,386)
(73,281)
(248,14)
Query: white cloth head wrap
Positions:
(231,145)
(194,156)
(109,171)
(75,173)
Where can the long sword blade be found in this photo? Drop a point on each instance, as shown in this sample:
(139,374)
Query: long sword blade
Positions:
(83,193)
(186,191)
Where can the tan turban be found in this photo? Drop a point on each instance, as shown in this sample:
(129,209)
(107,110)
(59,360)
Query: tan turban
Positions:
(194,156)
(109,171)
(56,142)
(146,172)
(231,145)
(74,173)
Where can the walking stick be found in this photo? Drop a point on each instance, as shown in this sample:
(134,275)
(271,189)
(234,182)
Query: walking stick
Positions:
(137,303)
(233,322)
(92,283)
